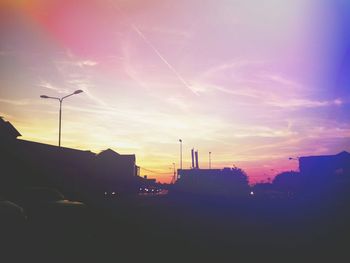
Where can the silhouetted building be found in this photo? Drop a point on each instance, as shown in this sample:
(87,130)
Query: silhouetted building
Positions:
(7,131)
(325,165)
(116,172)
(327,175)
(111,162)
(74,172)
(227,182)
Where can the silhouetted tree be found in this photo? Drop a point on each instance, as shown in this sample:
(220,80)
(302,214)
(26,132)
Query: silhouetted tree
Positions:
(287,181)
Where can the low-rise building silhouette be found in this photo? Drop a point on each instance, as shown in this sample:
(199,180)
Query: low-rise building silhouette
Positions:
(324,165)
(222,182)
(76,173)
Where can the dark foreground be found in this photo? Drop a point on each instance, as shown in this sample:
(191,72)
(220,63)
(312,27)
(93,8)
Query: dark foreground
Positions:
(187,229)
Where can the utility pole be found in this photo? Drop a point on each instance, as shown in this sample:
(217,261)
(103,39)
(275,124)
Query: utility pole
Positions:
(180,140)
(209,160)
(174,177)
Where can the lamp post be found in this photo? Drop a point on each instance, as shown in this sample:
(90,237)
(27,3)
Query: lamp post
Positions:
(209,160)
(60,112)
(174,178)
(180,140)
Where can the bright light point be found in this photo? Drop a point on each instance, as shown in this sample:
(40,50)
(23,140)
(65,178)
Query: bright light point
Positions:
(251,193)
(113,193)
(105,193)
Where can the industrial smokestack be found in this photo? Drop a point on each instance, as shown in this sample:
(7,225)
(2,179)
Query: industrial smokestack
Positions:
(192,155)
(196,155)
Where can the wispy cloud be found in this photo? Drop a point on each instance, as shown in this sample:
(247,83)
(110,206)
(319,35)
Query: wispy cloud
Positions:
(161,56)
(86,85)
(85,63)
(156,51)
(236,90)
(323,132)
(261,131)
(128,67)
(19,102)
(74,76)
(279,79)
(4,53)
(247,78)
(179,102)
(233,65)
(267,88)
(76,62)
(75,83)
(49,86)
(304,103)
(167,31)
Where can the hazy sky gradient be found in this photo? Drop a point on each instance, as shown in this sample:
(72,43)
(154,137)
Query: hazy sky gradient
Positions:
(254,82)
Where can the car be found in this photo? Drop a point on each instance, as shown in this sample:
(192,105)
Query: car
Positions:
(12,221)
(11,212)
(48,209)
(149,190)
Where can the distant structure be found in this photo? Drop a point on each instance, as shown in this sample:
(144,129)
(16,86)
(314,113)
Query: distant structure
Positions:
(220,182)
(194,156)
(226,181)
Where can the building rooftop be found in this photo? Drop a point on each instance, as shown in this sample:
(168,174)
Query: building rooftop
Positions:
(7,129)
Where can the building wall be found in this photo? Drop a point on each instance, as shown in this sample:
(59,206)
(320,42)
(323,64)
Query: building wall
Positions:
(323,166)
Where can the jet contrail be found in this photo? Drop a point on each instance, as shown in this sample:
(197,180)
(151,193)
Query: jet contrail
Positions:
(148,43)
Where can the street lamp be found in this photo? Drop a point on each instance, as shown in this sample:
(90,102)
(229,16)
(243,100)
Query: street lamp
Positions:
(209,160)
(293,158)
(180,140)
(174,178)
(60,112)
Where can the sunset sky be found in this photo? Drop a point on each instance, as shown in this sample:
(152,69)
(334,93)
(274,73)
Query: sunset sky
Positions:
(254,82)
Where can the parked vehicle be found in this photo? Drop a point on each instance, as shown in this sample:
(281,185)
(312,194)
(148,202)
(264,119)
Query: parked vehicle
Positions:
(12,222)
(11,212)
(50,213)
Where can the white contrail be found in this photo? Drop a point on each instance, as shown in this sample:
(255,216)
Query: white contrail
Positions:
(161,56)
(148,43)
